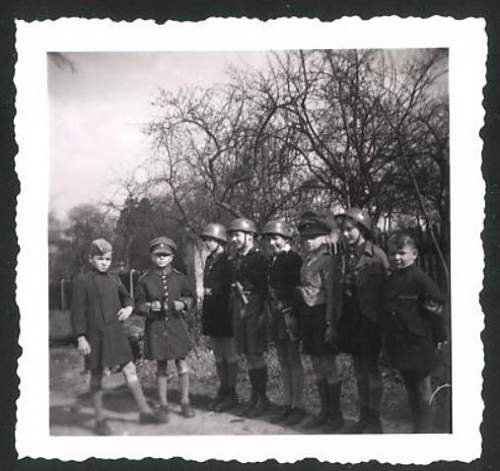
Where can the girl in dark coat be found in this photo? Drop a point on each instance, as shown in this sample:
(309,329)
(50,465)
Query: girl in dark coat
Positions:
(163,295)
(99,305)
(414,325)
(217,317)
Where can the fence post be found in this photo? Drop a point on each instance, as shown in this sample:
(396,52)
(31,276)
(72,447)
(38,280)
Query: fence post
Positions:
(63,297)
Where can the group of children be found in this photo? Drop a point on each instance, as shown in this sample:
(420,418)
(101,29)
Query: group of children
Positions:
(343,296)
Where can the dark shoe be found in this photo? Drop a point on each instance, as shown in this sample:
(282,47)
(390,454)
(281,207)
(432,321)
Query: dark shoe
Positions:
(218,399)
(374,424)
(101,427)
(322,417)
(149,418)
(423,419)
(295,416)
(163,414)
(362,423)
(243,411)
(316,420)
(335,422)
(187,411)
(227,403)
(282,415)
(260,408)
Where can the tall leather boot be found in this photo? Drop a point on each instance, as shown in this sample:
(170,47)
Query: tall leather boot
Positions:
(263,402)
(223,390)
(322,417)
(230,400)
(336,418)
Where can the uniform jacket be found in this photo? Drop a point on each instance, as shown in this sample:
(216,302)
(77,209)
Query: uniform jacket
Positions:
(367,274)
(250,270)
(165,334)
(315,276)
(216,312)
(283,278)
(95,302)
(410,329)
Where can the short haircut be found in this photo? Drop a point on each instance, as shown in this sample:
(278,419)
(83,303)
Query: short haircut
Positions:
(401,239)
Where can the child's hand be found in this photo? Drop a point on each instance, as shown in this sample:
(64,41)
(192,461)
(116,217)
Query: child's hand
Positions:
(440,346)
(83,345)
(156,306)
(124,313)
(179,306)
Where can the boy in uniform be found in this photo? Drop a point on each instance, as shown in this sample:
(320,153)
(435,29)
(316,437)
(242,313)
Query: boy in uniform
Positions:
(359,326)
(163,296)
(217,318)
(319,292)
(248,282)
(99,305)
(283,277)
(414,325)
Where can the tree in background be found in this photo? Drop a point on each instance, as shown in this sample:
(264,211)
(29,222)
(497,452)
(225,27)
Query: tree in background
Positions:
(69,240)
(315,128)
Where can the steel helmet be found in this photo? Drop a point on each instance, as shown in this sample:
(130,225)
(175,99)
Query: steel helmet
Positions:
(360,217)
(281,228)
(315,223)
(215,231)
(243,225)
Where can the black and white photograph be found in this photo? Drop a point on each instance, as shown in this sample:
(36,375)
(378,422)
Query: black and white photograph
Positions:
(250,242)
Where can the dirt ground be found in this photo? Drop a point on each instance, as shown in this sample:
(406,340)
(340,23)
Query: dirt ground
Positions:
(71,411)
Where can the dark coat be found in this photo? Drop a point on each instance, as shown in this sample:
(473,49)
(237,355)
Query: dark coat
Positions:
(358,325)
(369,272)
(410,330)
(250,271)
(217,321)
(95,302)
(165,333)
(283,277)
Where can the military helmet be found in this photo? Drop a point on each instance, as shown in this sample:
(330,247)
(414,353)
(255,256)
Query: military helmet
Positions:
(243,225)
(215,231)
(360,217)
(281,228)
(315,223)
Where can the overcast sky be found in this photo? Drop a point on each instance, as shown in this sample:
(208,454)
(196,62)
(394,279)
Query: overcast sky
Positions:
(98,109)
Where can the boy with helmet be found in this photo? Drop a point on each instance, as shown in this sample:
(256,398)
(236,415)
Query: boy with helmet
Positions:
(358,328)
(248,282)
(283,277)
(318,290)
(163,295)
(217,322)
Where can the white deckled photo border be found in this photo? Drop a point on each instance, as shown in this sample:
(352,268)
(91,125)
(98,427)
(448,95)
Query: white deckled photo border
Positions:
(467,44)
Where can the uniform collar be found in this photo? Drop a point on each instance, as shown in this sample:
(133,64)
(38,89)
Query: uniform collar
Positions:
(163,271)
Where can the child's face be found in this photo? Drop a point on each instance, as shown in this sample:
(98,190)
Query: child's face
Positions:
(401,256)
(352,233)
(211,244)
(313,243)
(241,240)
(162,260)
(101,262)
(276,243)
